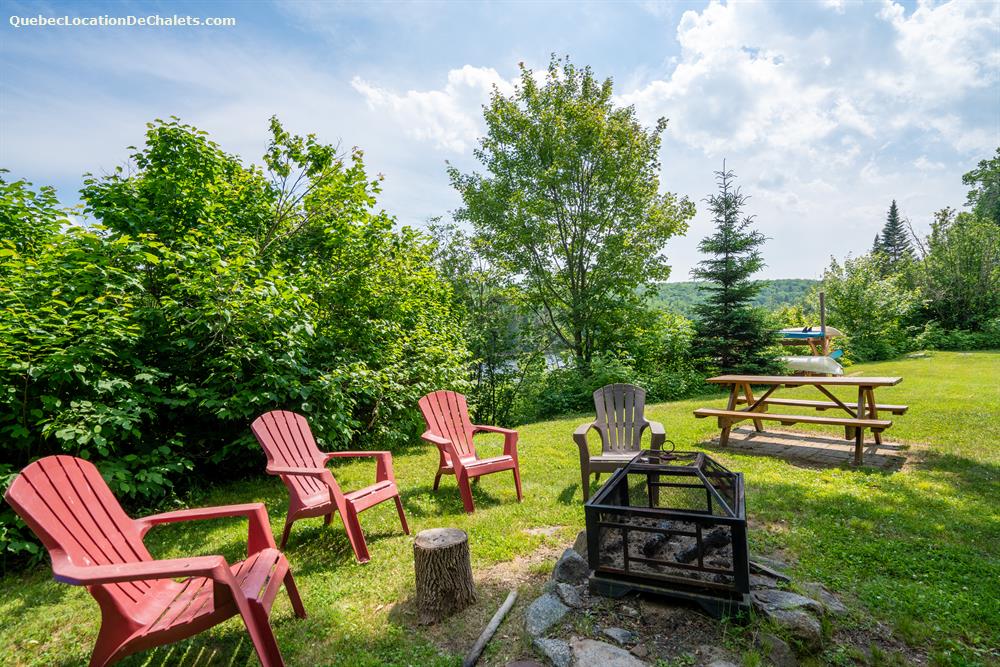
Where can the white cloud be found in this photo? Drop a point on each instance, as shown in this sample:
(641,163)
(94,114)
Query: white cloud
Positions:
(924,164)
(450,118)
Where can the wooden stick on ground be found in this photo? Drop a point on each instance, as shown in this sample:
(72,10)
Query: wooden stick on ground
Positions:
(477,649)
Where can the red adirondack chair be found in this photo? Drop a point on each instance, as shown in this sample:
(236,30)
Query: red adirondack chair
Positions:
(292,454)
(449,427)
(93,543)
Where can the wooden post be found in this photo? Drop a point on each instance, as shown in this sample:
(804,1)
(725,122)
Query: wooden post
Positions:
(859,433)
(873,412)
(727,426)
(443,571)
(757,423)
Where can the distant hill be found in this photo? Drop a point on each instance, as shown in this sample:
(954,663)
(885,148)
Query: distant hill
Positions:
(682,297)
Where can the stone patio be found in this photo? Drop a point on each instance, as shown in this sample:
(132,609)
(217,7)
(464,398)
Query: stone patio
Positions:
(812,449)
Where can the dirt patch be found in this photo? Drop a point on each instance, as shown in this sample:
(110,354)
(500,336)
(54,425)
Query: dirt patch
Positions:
(456,634)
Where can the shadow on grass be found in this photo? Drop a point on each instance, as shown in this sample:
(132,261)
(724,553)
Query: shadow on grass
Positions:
(446,501)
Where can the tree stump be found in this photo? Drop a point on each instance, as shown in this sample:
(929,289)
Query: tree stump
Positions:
(444,573)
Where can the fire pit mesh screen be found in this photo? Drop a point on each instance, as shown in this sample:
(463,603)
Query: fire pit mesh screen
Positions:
(671,523)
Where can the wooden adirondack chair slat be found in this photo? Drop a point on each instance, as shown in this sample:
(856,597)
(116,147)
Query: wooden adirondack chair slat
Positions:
(313,491)
(92,542)
(620,421)
(449,427)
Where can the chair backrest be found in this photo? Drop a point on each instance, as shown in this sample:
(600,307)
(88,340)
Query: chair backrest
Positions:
(288,441)
(447,415)
(69,506)
(620,418)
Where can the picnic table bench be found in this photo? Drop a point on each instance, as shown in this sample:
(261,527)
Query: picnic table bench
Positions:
(860,416)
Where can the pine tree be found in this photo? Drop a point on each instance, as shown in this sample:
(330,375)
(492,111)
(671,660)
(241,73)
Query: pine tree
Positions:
(877,245)
(731,332)
(895,244)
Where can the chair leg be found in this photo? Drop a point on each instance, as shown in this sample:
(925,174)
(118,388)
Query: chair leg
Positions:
(466,491)
(262,636)
(437,480)
(355,536)
(286,531)
(293,595)
(585,474)
(517,484)
(402,515)
(327,519)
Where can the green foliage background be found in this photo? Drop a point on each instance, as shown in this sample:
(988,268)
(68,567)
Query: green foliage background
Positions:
(204,293)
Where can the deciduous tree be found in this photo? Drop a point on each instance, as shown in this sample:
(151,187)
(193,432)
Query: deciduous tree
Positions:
(569,201)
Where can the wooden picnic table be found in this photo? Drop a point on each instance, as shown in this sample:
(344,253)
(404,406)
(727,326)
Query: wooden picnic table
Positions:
(860,416)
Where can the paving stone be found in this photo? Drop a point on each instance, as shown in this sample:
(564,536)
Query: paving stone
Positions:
(831,603)
(769,600)
(580,546)
(592,653)
(777,650)
(543,613)
(571,568)
(800,625)
(621,635)
(569,595)
(556,650)
(640,651)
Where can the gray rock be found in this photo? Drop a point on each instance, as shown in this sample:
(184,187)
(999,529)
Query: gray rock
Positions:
(721,663)
(543,613)
(556,650)
(831,603)
(771,563)
(640,651)
(762,581)
(621,635)
(569,595)
(801,626)
(571,568)
(769,600)
(592,653)
(580,546)
(777,650)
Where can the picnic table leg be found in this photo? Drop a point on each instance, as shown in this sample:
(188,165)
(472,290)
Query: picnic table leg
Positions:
(727,424)
(757,423)
(873,412)
(859,433)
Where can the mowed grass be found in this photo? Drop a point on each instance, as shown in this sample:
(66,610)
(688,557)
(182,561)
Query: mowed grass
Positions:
(917,550)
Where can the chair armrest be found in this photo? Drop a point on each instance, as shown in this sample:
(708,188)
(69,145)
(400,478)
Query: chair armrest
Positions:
(213,567)
(384,471)
(657,435)
(476,428)
(258,538)
(580,438)
(286,470)
(435,439)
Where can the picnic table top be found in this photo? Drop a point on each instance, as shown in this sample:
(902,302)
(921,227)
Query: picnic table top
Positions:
(841,381)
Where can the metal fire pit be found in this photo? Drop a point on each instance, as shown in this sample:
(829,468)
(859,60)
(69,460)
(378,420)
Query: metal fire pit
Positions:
(672,524)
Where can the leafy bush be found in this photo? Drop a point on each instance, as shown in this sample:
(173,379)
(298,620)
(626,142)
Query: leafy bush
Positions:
(208,293)
(874,311)
(935,337)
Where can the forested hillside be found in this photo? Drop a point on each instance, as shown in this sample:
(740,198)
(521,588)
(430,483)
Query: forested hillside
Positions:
(682,297)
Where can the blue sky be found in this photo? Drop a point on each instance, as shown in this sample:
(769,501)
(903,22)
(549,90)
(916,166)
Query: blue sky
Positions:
(826,110)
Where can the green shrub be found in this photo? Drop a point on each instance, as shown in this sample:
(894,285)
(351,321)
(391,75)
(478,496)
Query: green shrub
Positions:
(935,337)
(873,310)
(207,295)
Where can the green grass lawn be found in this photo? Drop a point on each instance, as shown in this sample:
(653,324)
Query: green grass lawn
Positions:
(917,550)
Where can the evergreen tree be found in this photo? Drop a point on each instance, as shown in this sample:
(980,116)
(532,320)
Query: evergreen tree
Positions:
(877,244)
(732,333)
(895,243)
